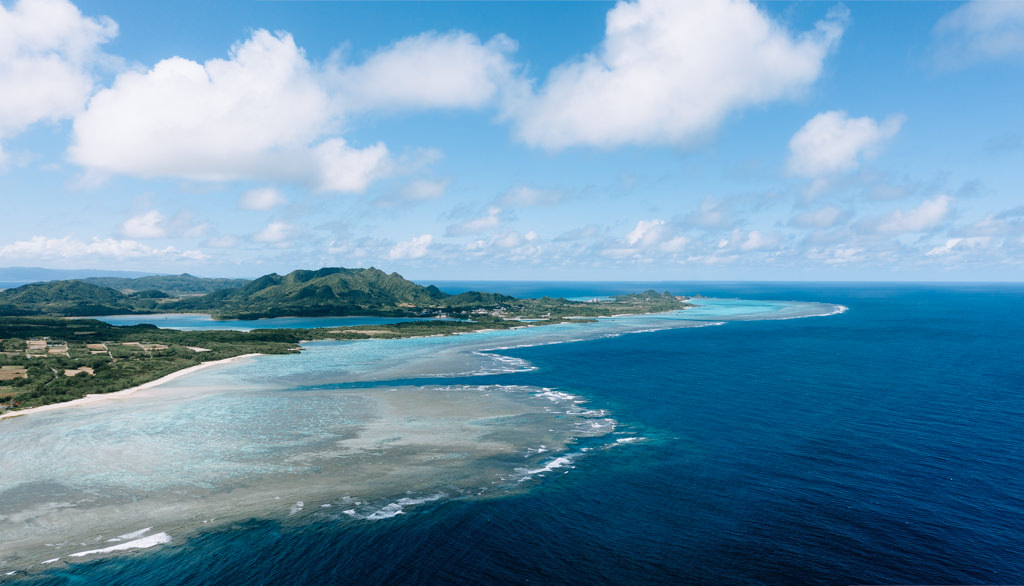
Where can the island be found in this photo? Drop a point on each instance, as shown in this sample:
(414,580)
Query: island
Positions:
(47,358)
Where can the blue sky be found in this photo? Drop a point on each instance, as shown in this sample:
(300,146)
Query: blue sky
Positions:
(643,140)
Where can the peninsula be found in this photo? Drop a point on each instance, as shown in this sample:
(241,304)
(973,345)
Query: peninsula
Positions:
(46,358)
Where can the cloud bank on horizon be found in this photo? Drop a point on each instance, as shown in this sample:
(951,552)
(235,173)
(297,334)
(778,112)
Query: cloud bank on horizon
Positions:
(685,140)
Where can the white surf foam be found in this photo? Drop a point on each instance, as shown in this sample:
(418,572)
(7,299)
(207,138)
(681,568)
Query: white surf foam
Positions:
(555,396)
(143,543)
(552,465)
(630,440)
(394,509)
(388,511)
(497,364)
(834,310)
(132,535)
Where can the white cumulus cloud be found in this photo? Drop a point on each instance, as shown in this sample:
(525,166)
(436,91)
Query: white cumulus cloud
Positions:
(838,255)
(646,233)
(414,248)
(958,244)
(267,113)
(754,240)
(926,216)
(348,169)
(669,71)
(261,199)
(48,50)
(512,246)
(524,196)
(275,232)
(674,244)
(431,70)
(260,114)
(833,142)
(758,240)
(68,248)
(712,214)
(147,225)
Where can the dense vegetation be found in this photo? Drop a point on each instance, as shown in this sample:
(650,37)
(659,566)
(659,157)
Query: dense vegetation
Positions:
(325,292)
(172,285)
(125,356)
(649,301)
(333,291)
(50,359)
(328,291)
(120,357)
(70,298)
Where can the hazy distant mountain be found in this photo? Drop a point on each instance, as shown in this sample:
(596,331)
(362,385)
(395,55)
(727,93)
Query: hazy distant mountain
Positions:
(21,275)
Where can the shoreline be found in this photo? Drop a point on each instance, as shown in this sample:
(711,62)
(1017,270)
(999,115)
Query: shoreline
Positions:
(97,397)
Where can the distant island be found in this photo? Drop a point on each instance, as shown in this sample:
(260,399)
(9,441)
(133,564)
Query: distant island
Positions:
(46,358)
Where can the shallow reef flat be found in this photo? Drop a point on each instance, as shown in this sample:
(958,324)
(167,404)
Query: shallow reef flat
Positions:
(336,432)
(85,476)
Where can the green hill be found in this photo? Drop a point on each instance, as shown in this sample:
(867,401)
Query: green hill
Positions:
(174,285)
(331,291)
(328,291)
(69,298)
(324,292)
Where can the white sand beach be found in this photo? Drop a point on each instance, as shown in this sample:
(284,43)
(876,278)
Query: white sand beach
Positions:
(94,398)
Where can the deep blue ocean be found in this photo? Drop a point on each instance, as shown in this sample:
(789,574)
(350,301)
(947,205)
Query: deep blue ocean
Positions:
(881,445)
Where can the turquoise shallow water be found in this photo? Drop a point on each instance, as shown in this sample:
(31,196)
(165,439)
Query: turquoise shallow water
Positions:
(878,445)
(200,321)
(264,436)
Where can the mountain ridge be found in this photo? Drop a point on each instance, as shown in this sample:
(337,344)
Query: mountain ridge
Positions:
(326,291)
(174,285)
(332,291)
